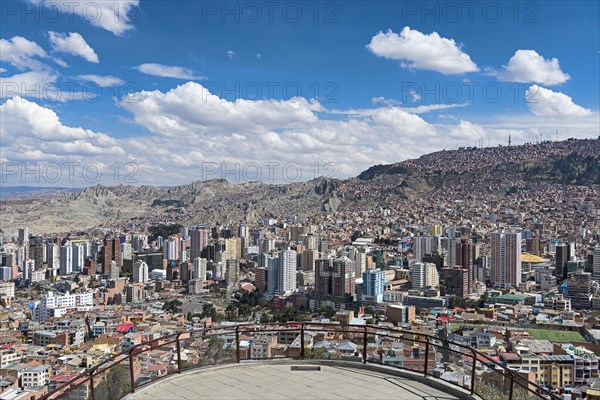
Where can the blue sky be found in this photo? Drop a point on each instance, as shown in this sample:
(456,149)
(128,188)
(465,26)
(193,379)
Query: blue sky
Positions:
(377,82)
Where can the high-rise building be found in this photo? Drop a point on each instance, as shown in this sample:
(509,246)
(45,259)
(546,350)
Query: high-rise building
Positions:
(52,257)
(451,256)
(281,273)
(135,293)
(422,245)
(466,254)
(127,249)
(232,272)
(505,260)
(373,285)
(335,278)
(113,270)
(140,272)
(309,257)
(139,242)
(243,230)
(36,250)
(186,270)
(66,259)
(596,262)
(172,249)
(424,275)
(233,248)
(23,236)
(199,270)
(455,281)
(111,252)
(78,257)
(579,289)
(261,279)
(563,253)
(198,241)
(532,246)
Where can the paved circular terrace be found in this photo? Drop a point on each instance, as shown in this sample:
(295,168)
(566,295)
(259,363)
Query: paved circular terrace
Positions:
(279,381)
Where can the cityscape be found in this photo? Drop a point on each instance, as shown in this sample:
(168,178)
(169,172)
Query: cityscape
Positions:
(296,203)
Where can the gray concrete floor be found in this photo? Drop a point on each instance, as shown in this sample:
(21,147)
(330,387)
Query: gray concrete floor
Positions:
(280,382)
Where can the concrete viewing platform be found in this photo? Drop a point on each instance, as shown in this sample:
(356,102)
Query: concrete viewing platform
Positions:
(281,381)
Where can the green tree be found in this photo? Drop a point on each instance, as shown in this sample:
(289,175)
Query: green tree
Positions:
(231,312)
(320,354)
(190,316)
(265,318)
(209,311)
(172,306)
(116,385)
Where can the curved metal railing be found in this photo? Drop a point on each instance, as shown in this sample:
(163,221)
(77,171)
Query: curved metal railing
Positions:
(149,361)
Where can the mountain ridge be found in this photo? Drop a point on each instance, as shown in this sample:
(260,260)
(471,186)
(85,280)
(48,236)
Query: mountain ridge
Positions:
(487,172)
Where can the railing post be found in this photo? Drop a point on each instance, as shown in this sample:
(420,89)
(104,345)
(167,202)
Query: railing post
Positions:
(302,341)
(178,354)
(237,344)
(365,339)
(473,373)
(92,384)
(426,356)
(512,383)
(131,371)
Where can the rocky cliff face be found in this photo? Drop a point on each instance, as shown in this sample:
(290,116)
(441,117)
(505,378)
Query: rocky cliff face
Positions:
(488,171)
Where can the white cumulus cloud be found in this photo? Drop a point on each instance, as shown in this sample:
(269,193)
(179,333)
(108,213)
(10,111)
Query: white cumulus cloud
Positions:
(169,71)
(116,16)
(547,103)
(417,50)
(30,130)
(102,80)
(72,43)
(21,53)
(527,66)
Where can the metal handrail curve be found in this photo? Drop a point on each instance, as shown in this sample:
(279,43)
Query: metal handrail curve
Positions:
(175,338)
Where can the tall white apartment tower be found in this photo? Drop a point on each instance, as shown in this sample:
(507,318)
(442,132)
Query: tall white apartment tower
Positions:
(66,259)
(140,272)
(282,272)
(199,269)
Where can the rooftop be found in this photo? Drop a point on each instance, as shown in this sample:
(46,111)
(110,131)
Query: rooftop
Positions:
(279,381)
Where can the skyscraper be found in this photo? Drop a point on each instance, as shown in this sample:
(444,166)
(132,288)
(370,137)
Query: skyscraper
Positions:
(422,245)
(564,252)
(199,270)
(596,262)
(140,272)
(451,256)
(23,236)
(78,253)
(309,257)
(198,241)
(113,270)
(111,252)
(52,257)
(505,260)
(455,281)
(466,254)
(424,275)
(334,279)
(579,289)
(373,284)
(66,259)
(36,250)
(282,272)
(232,272)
